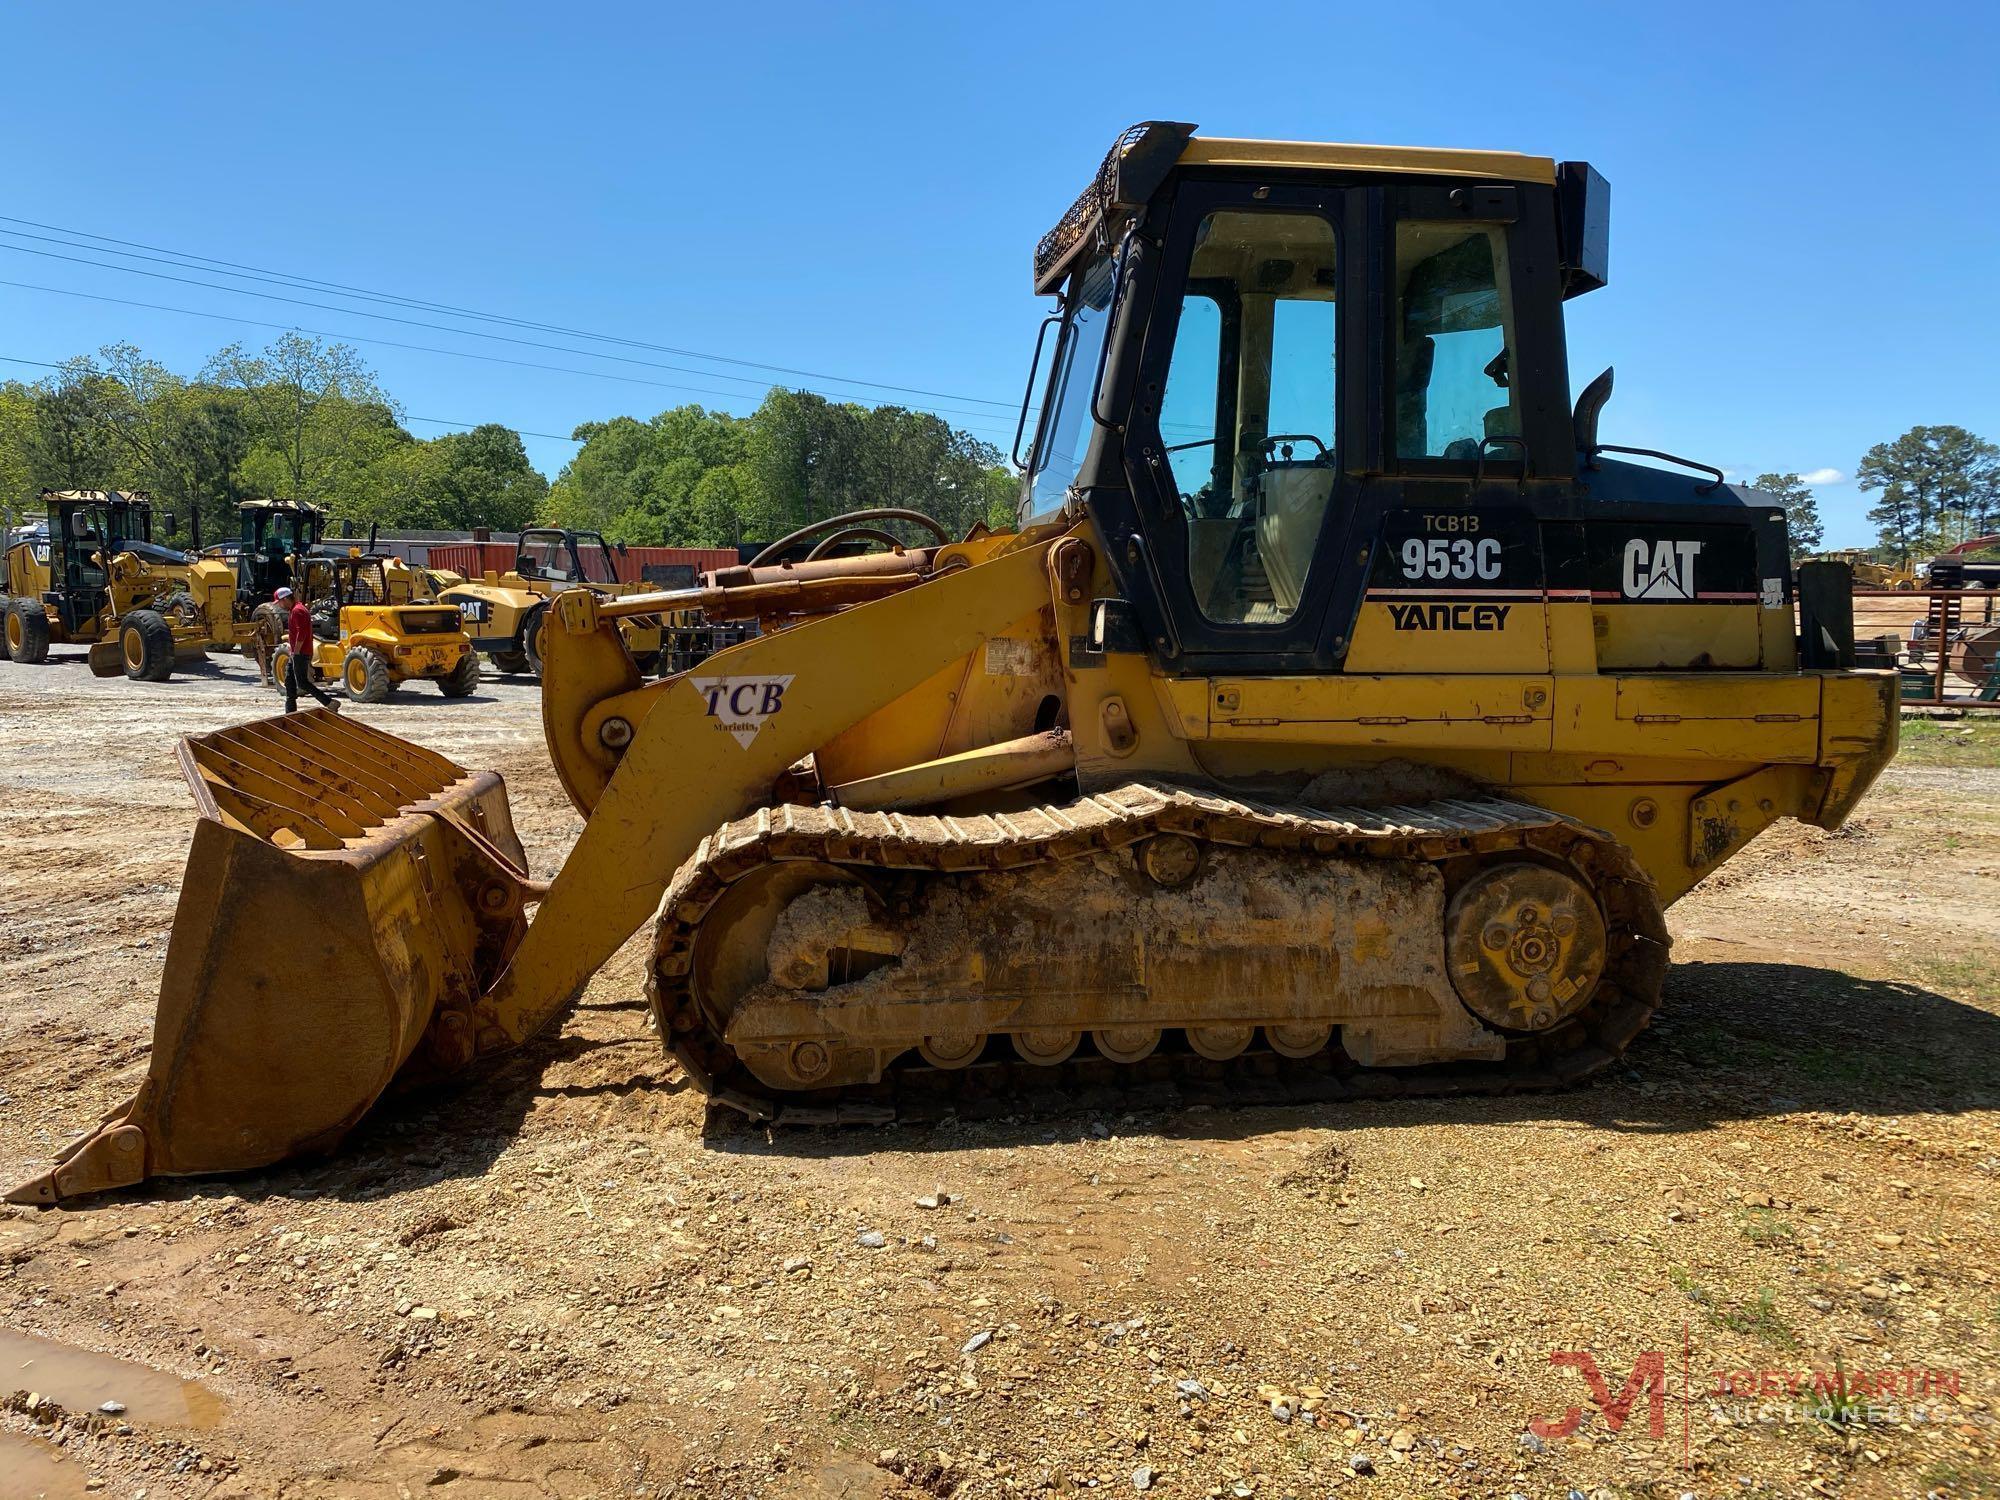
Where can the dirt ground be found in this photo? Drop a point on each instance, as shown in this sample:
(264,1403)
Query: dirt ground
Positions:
(559,1279)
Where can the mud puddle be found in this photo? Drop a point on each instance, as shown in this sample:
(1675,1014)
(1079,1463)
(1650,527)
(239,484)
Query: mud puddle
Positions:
(80,1380)
(32,1470)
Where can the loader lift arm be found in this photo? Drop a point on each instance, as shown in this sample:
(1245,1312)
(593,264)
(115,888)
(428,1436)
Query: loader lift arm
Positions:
(353,912)
(692,762)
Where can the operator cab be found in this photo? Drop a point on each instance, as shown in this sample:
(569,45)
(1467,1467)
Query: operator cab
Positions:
(277,538)
(565,557)
(1292,378)
(86,529)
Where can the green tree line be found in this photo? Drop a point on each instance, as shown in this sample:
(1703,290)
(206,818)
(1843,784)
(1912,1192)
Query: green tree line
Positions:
(702,478)
(308,420)
(302,420)
(1939,486)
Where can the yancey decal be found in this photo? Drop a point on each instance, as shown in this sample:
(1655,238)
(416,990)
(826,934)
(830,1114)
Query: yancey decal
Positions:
(741,705)
(1659,569)
(1449,616)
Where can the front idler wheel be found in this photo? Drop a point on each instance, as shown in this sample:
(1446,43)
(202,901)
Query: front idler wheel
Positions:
(1525,945)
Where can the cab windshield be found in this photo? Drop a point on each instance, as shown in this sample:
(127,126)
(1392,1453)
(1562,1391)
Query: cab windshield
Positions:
(595,556)
(546,554)
(1066,423)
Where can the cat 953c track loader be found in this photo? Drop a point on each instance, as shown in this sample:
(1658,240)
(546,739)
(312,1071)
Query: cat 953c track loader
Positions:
(1338,721)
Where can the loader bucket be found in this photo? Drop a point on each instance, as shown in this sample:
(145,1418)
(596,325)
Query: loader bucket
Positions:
(347,897)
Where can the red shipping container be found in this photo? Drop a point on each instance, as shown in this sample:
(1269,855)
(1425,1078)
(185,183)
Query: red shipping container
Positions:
(635,560)
(472,559)
(475,559)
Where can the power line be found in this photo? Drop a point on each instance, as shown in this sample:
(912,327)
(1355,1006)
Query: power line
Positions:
(181,261)
(470,426)
(494,359)
(559,437)
(651,364)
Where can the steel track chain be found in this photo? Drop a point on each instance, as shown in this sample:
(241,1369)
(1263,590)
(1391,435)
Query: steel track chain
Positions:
(1435,832)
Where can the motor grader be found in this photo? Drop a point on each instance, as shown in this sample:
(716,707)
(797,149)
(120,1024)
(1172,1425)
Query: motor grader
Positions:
(1338,722)
(506,611)
(92,575)
(371,637)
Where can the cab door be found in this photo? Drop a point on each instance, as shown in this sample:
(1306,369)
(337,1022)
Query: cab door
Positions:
(85,583)
(1347,413)
(1239,501)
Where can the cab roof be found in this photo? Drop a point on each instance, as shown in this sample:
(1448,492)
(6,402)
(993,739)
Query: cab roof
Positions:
(1404,161)
(1142,157)
(96,497)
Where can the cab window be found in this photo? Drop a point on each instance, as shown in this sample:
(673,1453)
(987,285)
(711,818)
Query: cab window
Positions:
(1454,341)
(1247,415)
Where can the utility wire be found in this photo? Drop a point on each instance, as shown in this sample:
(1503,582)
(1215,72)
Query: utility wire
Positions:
(495,359)
(652,364)
(558,437)
(180,260)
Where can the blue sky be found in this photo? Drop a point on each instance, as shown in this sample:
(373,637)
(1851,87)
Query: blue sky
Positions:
(1805,228)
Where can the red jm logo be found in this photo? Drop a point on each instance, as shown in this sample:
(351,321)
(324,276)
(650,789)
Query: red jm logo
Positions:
(1649,1376)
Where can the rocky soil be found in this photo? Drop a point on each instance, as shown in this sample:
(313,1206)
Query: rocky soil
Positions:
(562,1278)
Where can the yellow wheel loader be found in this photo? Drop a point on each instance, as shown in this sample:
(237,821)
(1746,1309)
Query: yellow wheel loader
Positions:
(1868,573)
(371,638)
(505,612)
(1338,723)
(92,575)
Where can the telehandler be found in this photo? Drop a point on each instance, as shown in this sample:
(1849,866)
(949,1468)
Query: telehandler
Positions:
(371,637)
(1338,722)
(92,575)
(506,611)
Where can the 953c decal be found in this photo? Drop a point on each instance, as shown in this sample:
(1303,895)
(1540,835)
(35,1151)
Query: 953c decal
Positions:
(1441,558)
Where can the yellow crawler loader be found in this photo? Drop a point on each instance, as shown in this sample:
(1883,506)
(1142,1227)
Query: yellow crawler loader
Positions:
(1338,722)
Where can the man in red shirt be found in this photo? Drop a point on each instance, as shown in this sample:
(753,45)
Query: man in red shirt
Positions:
(299,649)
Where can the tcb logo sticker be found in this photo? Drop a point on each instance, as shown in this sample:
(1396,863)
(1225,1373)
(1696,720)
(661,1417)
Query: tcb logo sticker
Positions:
(741,705)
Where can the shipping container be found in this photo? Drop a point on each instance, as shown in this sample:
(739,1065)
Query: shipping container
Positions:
(664,567)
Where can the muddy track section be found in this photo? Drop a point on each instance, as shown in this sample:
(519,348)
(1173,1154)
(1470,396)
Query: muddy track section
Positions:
(1451,835)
